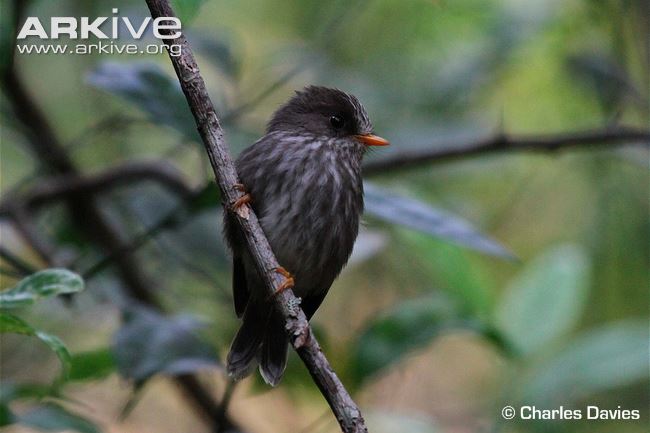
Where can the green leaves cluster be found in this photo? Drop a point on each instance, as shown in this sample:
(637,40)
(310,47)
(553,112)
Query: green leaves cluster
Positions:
(148,344)
(44,416)
(42,284)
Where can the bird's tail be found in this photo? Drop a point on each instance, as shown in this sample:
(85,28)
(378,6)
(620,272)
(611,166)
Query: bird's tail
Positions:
(260,340)
(273,351)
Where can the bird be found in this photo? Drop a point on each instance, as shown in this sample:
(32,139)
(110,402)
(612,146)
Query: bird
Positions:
(303,181)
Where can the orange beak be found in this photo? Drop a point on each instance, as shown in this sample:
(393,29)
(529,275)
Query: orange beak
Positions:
(372,140)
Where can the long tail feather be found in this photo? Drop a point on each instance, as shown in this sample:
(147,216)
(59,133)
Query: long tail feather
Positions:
(246,344)
(273,353)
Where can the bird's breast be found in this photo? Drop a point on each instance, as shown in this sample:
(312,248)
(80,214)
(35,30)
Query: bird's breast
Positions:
(311,204)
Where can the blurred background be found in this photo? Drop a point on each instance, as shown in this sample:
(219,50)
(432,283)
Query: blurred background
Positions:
(484,276)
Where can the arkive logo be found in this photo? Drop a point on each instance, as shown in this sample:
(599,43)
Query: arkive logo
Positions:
(82,28)
(110,33)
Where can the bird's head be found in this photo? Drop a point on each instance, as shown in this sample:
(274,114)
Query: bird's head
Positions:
(325,112)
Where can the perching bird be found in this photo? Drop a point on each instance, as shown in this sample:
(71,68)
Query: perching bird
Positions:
(303,180)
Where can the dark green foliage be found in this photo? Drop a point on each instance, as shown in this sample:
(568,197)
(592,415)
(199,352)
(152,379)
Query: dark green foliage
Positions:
(412,325)
(149,343)
(91,365)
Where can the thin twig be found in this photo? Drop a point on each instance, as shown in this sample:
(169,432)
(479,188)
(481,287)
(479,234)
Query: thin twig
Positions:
(298,330)
(620,135)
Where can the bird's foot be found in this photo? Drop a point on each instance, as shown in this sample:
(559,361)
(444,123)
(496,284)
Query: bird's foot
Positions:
(244,199)
(288,282)
(239,205)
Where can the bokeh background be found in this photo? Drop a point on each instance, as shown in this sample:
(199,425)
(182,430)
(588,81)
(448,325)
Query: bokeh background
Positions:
(477,282)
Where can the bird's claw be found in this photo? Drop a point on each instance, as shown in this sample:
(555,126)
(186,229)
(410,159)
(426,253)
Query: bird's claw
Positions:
(241,201)
(288,282)
(239,205)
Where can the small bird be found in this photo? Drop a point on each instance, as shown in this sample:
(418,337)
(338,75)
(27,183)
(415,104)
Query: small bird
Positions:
(303,180)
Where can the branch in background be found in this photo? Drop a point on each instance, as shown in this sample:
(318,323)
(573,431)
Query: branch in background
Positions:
(299,332)
(620,135)
(63,186)
(88,217)
(20,266)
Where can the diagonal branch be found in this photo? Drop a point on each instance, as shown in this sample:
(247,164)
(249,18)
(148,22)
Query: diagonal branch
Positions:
(620,135)
(300,335)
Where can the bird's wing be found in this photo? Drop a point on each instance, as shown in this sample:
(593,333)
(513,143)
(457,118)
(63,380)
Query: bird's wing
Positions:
(239,287)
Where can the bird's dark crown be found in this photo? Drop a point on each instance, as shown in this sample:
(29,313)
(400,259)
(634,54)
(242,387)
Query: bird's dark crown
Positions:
(321,111)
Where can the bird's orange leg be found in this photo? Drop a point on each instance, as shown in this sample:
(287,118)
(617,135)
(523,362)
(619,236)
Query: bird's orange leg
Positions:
(241,201)
(288,282)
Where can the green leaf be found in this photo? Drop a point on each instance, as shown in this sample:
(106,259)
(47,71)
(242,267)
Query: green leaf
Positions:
(59,348)
(452,269)
(412,324)
(601,359)
(186,10)
(6,416)
(15,325)
(10,391)
(12,324)
(417,215)
(92,365)
(54,418)
(546,300)
(149,88)
(208,198)
(42,284)
(150,343)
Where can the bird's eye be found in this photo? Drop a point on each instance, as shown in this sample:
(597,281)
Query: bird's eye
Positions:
(337,122)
